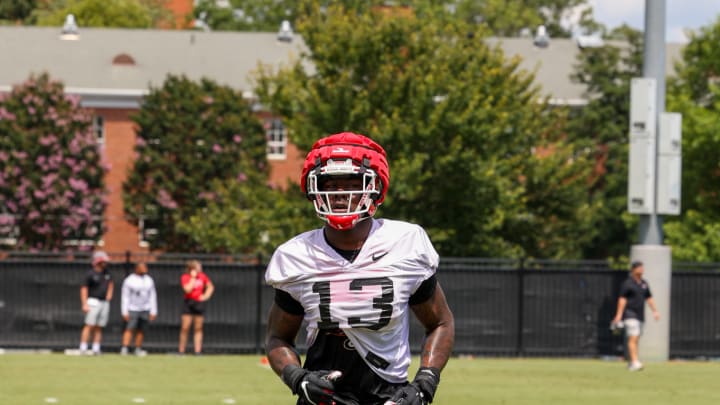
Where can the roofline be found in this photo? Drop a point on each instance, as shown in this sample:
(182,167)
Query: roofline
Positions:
(111,98)
(132,98)
(102,98)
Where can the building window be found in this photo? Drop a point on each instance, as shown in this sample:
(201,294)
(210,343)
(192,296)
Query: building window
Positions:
(147,232)
(276,139)
(99,129)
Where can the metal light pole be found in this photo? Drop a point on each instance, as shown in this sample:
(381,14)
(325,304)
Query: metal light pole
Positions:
(650,228)
(645,143)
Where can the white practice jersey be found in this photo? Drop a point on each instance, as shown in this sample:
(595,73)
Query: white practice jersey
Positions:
(138,294)
(368,298)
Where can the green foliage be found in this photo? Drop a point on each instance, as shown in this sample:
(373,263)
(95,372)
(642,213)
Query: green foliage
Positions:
(13,11)
(190,134)
(262,15)
(501,17)
(695,93)
(51,178)
(458,120)
(262,218)
(699,69)
(103,13)
(602,128)
(695,238)
(507,18)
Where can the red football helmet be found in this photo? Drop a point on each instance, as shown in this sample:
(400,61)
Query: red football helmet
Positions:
(346,154)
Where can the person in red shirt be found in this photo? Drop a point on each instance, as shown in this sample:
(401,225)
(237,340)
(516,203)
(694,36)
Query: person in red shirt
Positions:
(198,289)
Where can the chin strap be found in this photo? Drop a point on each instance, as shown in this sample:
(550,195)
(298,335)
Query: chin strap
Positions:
(343,222)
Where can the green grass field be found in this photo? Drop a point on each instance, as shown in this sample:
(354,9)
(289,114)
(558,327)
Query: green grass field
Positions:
(27,379)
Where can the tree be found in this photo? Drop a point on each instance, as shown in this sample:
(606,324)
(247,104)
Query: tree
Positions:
(15,10)
(103,13)
(695,93)
(190,134)
(602,127)
(262,217)
(263,15)
(508,18)
(459,121)
(51,176)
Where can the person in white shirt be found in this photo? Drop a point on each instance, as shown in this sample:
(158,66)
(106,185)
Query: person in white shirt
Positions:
(138,306)
(355,282)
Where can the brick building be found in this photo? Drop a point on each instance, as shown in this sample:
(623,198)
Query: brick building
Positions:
(112,69)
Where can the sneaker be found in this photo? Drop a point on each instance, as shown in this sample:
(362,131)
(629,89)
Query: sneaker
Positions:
(140,352)
(95,353)
(635,367)
(123,351)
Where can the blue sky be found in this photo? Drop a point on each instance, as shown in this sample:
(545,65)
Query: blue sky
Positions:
(681,14)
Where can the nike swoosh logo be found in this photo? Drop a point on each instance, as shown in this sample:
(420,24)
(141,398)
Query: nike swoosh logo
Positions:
(379,256)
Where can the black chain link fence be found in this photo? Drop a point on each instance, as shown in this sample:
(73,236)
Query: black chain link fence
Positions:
(502,307)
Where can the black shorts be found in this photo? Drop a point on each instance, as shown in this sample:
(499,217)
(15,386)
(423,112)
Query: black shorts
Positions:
(138,320)
(359,384)
(193,307)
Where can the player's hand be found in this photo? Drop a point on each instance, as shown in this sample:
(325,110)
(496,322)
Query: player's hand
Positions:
(315,387)
(126,318)
(421,391)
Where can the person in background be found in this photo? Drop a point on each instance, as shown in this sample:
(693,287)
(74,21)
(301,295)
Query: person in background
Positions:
(96,293)
(634,292)
(138,305)
(197,289)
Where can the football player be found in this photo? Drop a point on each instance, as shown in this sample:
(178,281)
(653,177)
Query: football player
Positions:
(354,282)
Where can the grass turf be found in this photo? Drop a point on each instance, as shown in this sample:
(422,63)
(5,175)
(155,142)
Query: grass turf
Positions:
(213,379)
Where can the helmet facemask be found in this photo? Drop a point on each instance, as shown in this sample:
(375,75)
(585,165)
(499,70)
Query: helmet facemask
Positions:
(342,206)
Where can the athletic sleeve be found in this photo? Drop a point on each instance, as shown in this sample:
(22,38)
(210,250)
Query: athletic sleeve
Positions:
(125,298)
(153,299)
(424,292)
(287,303)
(625,290)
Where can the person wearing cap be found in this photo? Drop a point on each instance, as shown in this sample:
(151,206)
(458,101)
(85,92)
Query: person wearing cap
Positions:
(95,295)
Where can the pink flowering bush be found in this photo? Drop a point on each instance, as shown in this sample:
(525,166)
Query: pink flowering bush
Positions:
(189,134)
(51,176)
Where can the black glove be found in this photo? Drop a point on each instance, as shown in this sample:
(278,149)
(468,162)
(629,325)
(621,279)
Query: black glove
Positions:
(421,391)
(315,387)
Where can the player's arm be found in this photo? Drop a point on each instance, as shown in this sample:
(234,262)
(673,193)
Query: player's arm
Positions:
(651,304)
(431,309)
(315,387)
(188,281)
(282,329)
(84,298)
(622,302)
(111,288)
(435,315)
(125,300)
(209,289)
